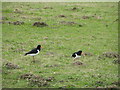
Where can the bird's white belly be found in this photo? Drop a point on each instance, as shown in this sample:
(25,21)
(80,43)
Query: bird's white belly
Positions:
(34,54)
(77,56)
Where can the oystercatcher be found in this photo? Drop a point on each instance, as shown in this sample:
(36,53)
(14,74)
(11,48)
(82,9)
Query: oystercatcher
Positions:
(77,54)
(34,52)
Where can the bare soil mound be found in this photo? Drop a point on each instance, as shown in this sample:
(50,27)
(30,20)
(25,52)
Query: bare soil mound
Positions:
(40,24)
(77,63)
(11,66)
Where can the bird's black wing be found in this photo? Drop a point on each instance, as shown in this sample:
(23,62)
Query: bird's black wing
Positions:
(73,55)
(33,51)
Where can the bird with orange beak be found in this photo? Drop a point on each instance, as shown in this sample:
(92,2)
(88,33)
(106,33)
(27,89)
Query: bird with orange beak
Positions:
(34,52)
(77,55)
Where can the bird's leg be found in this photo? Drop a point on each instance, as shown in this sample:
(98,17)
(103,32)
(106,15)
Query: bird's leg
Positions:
(74,59)
(33,59)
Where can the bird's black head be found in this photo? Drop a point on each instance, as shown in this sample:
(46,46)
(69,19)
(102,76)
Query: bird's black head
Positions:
(79,52)
(39,47)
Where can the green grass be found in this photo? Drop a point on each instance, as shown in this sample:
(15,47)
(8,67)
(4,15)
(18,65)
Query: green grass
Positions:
(63,40)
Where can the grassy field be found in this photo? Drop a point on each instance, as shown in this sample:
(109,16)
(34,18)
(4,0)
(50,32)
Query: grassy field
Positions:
(90,27)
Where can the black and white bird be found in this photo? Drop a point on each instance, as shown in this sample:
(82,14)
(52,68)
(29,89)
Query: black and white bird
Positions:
(77,55)
(34,52)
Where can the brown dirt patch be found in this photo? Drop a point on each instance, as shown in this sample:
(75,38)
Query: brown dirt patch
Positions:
(116,61)
(40,24)
(11,66)
(77,63)
(14,23)
(74,8)
(62,16)
(39,81)
(47,8)
(85,17)
(61,81)
(36,80)
(26,76)
(18,23)
(108,55)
